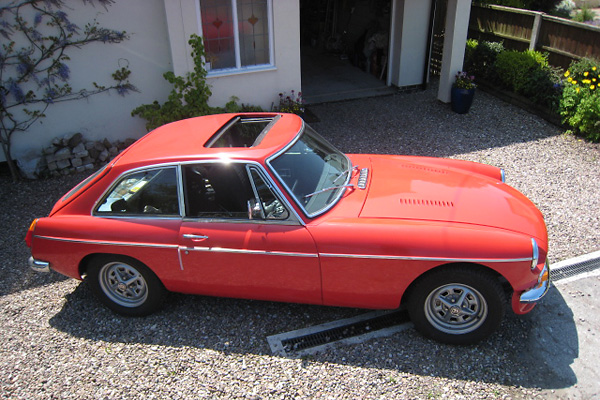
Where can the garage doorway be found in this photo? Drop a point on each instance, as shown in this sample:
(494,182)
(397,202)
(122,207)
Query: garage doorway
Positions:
(344,47)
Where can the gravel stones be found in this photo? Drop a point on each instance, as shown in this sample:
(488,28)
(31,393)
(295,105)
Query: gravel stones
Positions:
(58,342)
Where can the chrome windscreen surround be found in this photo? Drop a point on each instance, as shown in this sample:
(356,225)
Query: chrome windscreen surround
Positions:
(536,254)
(503,175)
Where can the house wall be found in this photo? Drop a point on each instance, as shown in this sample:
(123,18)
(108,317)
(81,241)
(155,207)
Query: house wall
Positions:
(259,86)
(146,54)
(408,46)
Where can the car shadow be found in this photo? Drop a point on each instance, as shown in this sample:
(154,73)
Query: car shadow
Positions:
(535,350)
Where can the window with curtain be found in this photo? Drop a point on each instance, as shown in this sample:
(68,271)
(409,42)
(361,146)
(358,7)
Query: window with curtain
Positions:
(236,33)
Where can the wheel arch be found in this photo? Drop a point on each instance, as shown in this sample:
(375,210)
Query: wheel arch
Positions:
(464,265)
(87,260)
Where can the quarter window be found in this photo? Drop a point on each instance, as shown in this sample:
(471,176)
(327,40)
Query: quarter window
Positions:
(150,193)
(236,33)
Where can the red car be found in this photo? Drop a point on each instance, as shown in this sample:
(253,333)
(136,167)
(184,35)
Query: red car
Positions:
(259,206)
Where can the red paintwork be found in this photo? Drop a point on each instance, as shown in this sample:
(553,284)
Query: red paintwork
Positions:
(421,213)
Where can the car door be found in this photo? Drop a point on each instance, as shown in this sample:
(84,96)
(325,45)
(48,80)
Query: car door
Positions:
(240,239)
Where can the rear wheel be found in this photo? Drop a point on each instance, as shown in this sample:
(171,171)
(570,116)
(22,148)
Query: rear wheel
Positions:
(125,285)
(457,305)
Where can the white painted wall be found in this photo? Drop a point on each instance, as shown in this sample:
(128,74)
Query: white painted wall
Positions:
(410,25)
(455,39)
(159,31)
(107,115)
(258,87)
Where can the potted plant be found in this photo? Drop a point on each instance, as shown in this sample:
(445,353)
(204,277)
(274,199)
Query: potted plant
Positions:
(293,103)
(462,92)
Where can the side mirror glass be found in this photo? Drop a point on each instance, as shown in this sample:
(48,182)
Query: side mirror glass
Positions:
(255,210)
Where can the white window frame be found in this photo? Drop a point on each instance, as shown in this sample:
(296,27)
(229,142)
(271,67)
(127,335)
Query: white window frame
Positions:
(239,69)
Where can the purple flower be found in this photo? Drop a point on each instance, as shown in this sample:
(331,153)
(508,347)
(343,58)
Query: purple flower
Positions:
(23,68)
(63,72)
(36,35)
(62,16)
(37,19)
(16,91)
(72,28)
(50,95)
(122,90)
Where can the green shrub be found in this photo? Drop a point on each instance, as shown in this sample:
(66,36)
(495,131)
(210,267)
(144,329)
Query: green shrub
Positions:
(544,87)
(514,68)
(189,96)
(584,15)
(480,58)
(580,103)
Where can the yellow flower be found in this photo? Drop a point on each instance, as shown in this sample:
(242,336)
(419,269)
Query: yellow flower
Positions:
(577,90)
(570,80)
(593,68)
(574,82)
(585,81)
(592,87)
(586,73)
(593,79)
(568,73)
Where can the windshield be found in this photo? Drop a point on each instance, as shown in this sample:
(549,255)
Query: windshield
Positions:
(313,171)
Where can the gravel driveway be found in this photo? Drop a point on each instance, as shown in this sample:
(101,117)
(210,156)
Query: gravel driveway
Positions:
(58,342)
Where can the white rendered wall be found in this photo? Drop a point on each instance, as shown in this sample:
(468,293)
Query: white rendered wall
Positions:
(260,87)
(409,47)
(146,54)
(455,39)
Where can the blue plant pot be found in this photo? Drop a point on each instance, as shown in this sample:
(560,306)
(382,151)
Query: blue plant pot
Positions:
(461,99)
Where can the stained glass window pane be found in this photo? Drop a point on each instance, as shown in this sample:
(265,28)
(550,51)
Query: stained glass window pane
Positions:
(217,31)
(253,23)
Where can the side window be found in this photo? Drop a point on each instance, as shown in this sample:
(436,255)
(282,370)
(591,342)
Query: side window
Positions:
(152,192)
(217,190)
(271,207)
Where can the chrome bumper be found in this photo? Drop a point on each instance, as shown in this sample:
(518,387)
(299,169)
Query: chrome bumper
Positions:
(540,290)
(39,266)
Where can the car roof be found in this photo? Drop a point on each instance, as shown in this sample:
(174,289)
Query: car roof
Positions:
(186,140)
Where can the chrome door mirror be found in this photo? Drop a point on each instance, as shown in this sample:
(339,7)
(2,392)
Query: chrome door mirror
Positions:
(255,211)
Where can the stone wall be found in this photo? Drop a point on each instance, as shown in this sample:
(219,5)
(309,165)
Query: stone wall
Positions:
(72,153)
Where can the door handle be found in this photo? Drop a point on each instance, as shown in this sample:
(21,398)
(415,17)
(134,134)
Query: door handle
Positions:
(196,238)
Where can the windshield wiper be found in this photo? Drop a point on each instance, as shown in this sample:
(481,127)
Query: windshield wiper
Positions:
(328,189)
(351,168)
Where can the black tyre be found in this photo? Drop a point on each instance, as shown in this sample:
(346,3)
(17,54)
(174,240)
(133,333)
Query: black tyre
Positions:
(125,285)
(457,305)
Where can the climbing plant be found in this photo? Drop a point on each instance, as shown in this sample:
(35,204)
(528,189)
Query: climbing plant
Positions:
(34,73)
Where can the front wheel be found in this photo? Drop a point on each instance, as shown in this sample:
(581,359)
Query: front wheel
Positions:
(125,285)
(457,305)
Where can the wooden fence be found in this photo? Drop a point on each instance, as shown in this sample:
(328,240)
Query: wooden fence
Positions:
(562,39)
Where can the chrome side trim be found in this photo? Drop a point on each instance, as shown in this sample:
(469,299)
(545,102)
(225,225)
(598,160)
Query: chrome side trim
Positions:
(406,258)
(503,175)
(242,251)
(109,243)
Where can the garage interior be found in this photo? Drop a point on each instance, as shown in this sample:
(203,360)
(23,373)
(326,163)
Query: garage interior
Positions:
(344,49)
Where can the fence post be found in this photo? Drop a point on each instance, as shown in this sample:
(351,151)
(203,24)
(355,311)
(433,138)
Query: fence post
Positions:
(535,30)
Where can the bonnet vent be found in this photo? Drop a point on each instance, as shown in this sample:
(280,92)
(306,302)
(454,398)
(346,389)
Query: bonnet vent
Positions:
(424,202)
